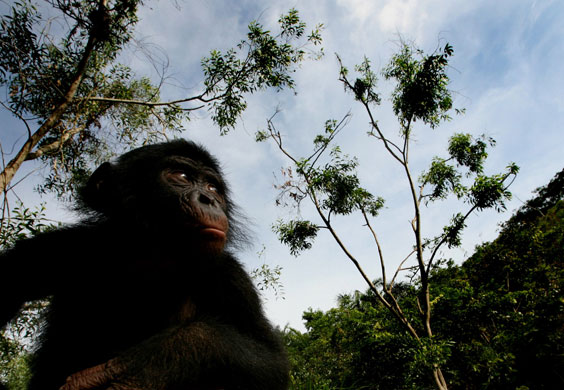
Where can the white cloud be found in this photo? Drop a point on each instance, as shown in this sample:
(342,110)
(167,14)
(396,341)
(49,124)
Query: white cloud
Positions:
(401,15)
(360,10)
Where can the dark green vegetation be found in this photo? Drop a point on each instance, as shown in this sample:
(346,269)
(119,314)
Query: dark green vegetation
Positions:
(498,318)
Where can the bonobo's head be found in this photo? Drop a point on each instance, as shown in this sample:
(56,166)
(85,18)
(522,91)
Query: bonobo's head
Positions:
(174,189)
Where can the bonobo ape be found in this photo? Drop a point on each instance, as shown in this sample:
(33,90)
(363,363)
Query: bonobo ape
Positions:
(146,293)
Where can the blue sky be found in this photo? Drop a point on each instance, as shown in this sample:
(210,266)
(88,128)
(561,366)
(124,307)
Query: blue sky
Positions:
(506,71)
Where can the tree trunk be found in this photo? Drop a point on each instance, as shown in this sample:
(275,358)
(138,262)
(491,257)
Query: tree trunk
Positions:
(12,167)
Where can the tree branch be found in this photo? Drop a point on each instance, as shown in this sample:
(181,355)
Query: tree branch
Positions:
(153,104)
(56,145)
(380,253)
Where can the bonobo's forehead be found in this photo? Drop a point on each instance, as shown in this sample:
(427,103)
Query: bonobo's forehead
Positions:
(181,162)
(156,154)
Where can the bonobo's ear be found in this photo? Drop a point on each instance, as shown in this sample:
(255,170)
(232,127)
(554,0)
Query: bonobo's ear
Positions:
(98,192)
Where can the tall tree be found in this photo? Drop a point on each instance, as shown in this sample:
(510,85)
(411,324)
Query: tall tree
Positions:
(421,94)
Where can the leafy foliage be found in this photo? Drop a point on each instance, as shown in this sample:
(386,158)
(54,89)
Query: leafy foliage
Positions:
(546,198)
(340,187)
(268,278)
(23,223)
(16,344)
(421,91)
(268,62)
(443,178)
(62,71)
(357,345)
(468,152)
(296,234)
(364,86)
(488,192)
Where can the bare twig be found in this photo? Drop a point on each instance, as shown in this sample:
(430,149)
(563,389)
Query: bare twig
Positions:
(400,268)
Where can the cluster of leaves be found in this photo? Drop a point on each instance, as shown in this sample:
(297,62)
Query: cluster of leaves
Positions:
(421,92)
(32,62)
(364,88)
(338,184)
(297,234)
(23,222)
(333,187)
(499,319)
(267,64)
(445,177)
(268,278)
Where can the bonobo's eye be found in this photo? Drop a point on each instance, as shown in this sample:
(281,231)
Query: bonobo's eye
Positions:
(213,188)
(178,176)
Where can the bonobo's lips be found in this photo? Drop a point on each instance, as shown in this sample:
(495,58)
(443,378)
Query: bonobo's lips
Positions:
(211,230)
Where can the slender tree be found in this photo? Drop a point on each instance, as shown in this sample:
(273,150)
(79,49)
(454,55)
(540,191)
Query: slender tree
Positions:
(333,187)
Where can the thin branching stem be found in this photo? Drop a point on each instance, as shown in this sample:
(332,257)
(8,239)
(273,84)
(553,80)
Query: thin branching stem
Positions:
(380,252)
(400,268)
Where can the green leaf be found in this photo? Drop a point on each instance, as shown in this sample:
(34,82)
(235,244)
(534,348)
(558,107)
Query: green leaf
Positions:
(298,235)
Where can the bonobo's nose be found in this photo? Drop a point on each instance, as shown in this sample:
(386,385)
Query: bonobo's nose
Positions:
(204,199)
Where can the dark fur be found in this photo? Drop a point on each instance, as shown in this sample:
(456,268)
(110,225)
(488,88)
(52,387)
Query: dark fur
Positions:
(127,285)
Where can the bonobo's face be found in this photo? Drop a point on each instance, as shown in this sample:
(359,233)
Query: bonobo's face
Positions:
(200,207)
(173,190)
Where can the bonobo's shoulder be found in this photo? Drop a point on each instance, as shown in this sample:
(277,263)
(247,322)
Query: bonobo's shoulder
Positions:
(230,262)
(63,237)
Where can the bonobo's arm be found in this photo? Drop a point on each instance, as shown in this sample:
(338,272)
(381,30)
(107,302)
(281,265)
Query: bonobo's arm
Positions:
(29,270)
(35,267)
(202,355)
